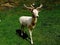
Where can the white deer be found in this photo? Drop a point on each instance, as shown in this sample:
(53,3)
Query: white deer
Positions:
(30,21)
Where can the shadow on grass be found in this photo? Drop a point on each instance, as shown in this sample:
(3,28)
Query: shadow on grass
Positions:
(23,35)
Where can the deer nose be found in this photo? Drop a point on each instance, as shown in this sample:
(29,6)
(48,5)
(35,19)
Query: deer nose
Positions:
(37,16)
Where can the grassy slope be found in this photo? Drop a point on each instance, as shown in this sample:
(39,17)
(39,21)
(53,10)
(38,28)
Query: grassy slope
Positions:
(46,32)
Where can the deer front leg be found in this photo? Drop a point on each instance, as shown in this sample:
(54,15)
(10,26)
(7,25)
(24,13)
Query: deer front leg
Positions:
(30,31)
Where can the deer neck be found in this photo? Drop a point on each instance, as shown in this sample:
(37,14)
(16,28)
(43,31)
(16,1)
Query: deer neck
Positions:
(34,20)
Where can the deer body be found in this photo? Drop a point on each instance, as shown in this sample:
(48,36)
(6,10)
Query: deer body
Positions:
(25,20)
(30,21)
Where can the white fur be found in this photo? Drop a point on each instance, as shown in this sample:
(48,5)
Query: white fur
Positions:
(31,36)
(35,11)
(26,21)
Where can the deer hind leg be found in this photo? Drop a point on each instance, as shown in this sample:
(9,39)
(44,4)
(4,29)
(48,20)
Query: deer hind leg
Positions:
(30,31)
(22,27)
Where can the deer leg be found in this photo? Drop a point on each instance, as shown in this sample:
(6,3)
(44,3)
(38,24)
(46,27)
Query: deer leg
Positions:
(30,31)
(22,27)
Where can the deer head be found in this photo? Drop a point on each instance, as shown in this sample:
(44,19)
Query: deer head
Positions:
(34,10)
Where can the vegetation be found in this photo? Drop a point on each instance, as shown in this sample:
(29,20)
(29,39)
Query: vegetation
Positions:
(47,31)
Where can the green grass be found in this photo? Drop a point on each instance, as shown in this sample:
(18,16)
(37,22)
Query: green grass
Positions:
(46,32)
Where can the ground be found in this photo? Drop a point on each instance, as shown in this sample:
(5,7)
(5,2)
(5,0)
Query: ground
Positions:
(46,32)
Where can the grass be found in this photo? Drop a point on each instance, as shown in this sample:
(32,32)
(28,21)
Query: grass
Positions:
(47,31)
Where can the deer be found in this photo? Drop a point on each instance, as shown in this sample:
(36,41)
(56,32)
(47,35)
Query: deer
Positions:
(30,21)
